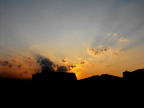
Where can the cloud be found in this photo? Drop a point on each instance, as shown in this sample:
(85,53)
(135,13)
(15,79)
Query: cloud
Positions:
(62,69)
(84,62)
(64,61)
(50,66)
(19,66)
(117,52)
(112,34)
(75,68)
(13,60)
(71,66)
(123,40)
(115,34)
(99,51)
(4,63)
(100,46)
(30,61)
(10,65)
(105,66)
(46,64)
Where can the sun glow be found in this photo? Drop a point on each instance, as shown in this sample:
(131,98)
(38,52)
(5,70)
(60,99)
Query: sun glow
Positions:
(75,69)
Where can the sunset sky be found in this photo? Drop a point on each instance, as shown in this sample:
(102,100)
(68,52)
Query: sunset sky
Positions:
(87,37)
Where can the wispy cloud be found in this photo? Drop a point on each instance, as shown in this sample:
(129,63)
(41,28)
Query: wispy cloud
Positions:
(123,40)
(97,52)
(112,34)
(64,61)
(115,34)
(106,66)
(85,62)
(116,52)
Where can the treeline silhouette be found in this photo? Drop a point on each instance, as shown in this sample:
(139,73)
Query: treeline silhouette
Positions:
(62,89)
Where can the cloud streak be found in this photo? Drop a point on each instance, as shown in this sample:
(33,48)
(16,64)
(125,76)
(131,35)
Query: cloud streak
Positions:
(97,52)
(123,40)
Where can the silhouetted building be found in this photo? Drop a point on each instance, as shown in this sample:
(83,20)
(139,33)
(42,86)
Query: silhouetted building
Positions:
(103,80)
(134,75)
(54,76)
(109,77)
(127,75)
(102,77)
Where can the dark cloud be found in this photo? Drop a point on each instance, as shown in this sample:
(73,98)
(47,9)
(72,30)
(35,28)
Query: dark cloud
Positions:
(82,62)
(71,66)
(103,51)
(29,61)
(46,64)
(10,65)
(97,52)
(62,69)
(25,72)
(64,61)
(49,66)
(19,66)
(4,63)
(29,58)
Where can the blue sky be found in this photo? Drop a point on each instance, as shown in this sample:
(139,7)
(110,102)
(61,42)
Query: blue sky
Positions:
(66,29)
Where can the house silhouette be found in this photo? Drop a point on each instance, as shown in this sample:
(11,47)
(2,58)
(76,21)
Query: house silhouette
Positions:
(54,76)
(136,75)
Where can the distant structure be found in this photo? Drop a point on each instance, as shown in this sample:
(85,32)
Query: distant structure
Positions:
(103,77)
(109,77)
(127,75)
(102,80)
(54,76)
(134,75)
(48,74)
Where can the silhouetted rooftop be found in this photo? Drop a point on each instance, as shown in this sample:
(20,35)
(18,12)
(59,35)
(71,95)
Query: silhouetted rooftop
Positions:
(54,76)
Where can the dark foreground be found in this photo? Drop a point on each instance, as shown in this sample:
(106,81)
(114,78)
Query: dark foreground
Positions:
(70,94)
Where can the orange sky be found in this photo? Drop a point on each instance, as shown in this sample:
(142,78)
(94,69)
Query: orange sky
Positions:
(99,61)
